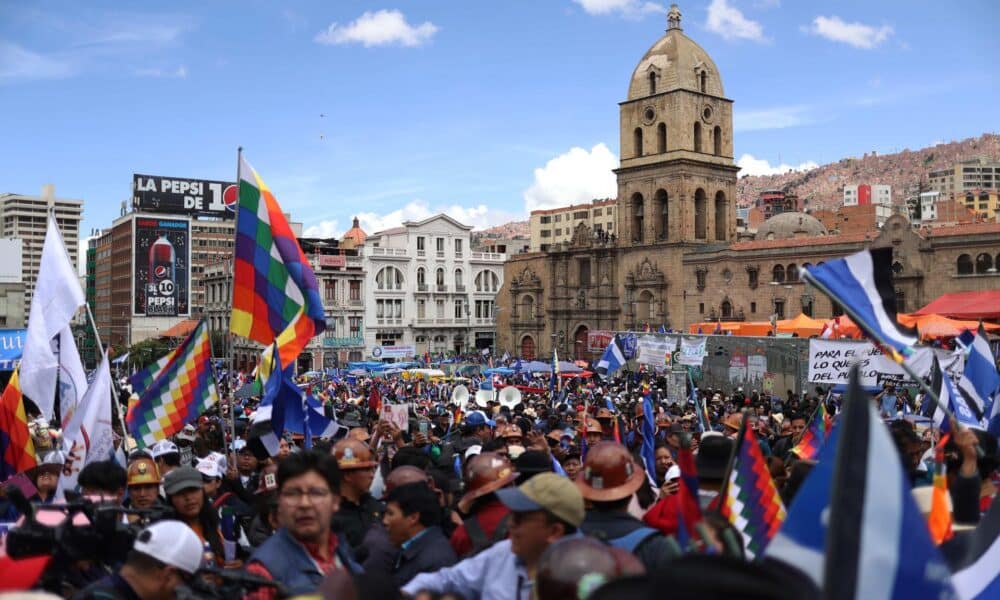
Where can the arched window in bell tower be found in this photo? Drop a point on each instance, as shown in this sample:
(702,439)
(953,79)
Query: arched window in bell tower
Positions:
(637,141)
(662,214)
(661,138)
(697,136)
(638,214)
(703,81)
(720,216)
(652,83)
(700,218)
(717,140)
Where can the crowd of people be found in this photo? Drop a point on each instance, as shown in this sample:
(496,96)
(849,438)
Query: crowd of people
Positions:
(549,498)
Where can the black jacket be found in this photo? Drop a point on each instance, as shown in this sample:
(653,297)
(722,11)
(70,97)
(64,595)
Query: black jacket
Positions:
(353,520)
(429,552)
(655,552)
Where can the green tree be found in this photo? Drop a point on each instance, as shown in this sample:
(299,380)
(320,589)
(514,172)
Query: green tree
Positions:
(148,351)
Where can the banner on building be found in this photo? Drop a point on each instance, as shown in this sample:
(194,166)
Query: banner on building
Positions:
(830,362)
(161,267)
(597,341)
(656,352)
(11,347)
(756,367)
(393,351)
(692,351)
(737,368)
(181,196)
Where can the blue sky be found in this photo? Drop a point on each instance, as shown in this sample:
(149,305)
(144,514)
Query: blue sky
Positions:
(480,109)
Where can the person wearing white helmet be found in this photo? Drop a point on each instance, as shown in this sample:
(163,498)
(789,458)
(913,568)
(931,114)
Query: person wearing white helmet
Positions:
(164,556)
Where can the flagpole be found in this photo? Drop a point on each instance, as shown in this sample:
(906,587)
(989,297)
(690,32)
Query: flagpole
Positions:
(232,283)
(909,371)
(114,401)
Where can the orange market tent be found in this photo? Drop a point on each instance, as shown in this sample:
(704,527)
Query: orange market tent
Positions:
(966,305)
(709,327)
(939,326)
(802,325)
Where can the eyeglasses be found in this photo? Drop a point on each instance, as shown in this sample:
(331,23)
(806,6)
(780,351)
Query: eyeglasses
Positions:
(314,494)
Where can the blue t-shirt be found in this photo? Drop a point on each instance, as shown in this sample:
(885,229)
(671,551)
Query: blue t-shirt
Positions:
(889,403)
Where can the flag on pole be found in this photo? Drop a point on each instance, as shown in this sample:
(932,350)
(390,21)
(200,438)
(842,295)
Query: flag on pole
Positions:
(814,435)
(975,560)
(862,284)
(72,378)
(690,508)
(275,292)
(16,447)
(980,380)
(88,437)
(57,297)
(750,500)
(612,359)
(648,449)
(947,396)
(183,389)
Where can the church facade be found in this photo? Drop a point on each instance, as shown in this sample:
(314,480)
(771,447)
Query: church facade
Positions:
(676,259)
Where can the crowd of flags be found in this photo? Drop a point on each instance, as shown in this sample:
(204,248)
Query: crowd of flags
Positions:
(853,528)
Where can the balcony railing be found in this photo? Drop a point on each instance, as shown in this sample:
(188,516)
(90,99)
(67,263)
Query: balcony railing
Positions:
(489,257)
(442,288)
(397,252)
(459,287)
(422,287)
(440,321)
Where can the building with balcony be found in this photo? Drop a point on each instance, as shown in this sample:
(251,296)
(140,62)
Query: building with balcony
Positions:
(553,226)
(427,291)
(965,176)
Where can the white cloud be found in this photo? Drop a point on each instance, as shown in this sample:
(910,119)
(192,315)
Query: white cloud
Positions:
(17,62)
(779,117)
(178,73)
(759,166)
(324,229)
(628,8)
(479,216)
(729,22)
(858,35)
(381,28)
(573,177)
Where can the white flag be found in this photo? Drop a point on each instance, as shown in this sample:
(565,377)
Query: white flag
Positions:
(88,436)
(72,379)
(57,297)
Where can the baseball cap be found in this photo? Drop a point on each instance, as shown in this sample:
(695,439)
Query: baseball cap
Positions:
(163,447)
(473,450)
(209,468)
(549,492)
(172,543)
(182,478)
(477,418)
(187,434)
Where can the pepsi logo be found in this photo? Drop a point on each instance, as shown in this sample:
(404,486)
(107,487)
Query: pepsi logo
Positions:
(230,197)
(160,271)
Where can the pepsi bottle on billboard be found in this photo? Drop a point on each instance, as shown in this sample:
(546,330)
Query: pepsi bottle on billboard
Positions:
(161,289)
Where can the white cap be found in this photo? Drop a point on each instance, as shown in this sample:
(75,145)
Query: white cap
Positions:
(172,543)
(163,447)
(209,468)
(238,445)
(219,459)
(673,472)
(473,450)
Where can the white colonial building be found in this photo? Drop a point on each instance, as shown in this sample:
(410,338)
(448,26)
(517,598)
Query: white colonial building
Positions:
(427,291)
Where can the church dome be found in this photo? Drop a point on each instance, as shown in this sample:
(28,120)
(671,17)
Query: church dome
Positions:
(356,234)
(790,225)
(678,63)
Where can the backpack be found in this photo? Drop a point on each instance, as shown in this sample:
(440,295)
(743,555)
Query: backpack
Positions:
(477,535)
(632,540)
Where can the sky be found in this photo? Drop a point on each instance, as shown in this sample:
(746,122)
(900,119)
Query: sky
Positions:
(394,111)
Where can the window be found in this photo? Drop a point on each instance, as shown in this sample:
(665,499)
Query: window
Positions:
(720,217)
(355,289)
(440,309)
(459,312)
(421,276)
(331,290)
(558,231)
(484,309)
(965,265)
(420,243)
(439,277)
(792,273)
(458,280)
(355,326)
(701,308)
(778,274)
(487,281)
(440,245)
(388,309)
(637,141)
(697,137)
(580,215)
(585,272)
(752,280)
(638,215)
(662,215)
(458,247)
(421,309)
(652,83)
(753,308)
(389,278)
(700,277)
(558,218)
(779,308)
(717,141)
(726,308)
(527,307)
(609,226)
(984,262)
(703,81)
(545,220)
(597,212)
(661,138)
(700,216)
(546,233)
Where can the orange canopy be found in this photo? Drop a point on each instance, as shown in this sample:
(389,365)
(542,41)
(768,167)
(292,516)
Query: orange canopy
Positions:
(965,305)
(939,326)
(802,325)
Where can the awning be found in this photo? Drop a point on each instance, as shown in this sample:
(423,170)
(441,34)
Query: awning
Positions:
(182,329)
(966,305)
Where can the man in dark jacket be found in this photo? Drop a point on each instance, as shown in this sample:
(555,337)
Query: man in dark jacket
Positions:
(609,479)
(411,518)
(358,509)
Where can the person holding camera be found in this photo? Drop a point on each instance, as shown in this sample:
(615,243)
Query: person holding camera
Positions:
(164,556)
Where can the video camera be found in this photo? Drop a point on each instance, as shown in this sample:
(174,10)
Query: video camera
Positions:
(105,537)
(220,584)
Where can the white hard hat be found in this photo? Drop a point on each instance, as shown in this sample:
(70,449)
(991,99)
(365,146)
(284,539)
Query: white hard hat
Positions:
(172,543)
(163,447)
(209,468)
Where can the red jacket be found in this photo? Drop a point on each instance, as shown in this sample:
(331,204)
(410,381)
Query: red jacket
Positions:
(489,516)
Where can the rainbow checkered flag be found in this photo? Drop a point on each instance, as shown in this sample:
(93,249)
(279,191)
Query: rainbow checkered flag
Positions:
(275,292)
(751,501)
(183,389)
(814,435)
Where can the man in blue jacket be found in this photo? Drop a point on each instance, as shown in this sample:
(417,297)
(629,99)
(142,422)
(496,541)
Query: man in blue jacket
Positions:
(412,518)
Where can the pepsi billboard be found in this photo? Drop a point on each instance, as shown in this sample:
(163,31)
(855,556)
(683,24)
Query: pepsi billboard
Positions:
(161,267)
(179,196)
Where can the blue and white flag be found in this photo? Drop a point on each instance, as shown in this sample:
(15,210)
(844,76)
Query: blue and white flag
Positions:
(854,527)
(648,450)
(974,558)
(862,284)
(980,379)
(612,359)
(947,396)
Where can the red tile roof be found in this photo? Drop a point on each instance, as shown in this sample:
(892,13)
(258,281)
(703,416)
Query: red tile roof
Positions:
(823,240)
(963,229)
